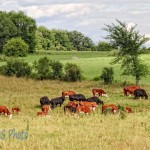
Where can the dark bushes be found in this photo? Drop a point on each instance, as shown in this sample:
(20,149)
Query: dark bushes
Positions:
(16,67)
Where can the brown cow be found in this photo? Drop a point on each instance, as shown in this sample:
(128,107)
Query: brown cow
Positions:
(91,105)
(99,92)
(112,107)
(15,109)
(46,108)
(67,93)
(41,113)
(83,109)
(130,89)
(128,110)
(4,110)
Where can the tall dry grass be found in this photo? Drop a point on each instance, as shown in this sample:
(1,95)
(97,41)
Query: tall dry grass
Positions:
(60,131)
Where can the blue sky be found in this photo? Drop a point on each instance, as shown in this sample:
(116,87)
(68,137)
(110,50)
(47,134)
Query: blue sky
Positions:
(86,16)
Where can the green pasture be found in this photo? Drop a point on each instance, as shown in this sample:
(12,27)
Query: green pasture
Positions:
(90,62)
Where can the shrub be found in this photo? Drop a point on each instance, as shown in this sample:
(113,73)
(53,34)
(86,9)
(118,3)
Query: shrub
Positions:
(16,47)
(42,69)
(72,73)
(57,70)
(47,69)
(107,75)
(16,67)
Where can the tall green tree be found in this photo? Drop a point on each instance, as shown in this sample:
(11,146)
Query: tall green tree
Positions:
(129,43)
(7,29)
(16,47)
(26,28)
(103,46)
(80,42)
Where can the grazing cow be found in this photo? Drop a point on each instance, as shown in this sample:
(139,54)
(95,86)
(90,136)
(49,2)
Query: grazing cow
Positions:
(111,107)
(83,109)
(46,108)
(41,113)
(15,109)
(95,99)
(57,101)
(140,93)
(71,106)
(91,105)
(99,92)
(44,101)
(4,110)
(128,110)
(67,93)
(77,97)
(130,89)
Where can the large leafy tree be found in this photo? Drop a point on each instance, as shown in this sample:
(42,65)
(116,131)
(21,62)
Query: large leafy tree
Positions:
(7,29)
(26,28)
(16,47)
(103,46)
(80,42)
(129,43)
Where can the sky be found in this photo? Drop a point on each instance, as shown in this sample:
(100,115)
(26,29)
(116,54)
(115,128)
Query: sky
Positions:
(86,16)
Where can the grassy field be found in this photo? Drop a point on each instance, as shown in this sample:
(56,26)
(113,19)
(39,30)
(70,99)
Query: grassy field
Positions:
(91,63)
(60,131)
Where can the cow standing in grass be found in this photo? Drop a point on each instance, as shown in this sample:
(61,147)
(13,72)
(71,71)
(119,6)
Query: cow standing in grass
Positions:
(67,93)
(57,101)
(77,97)
(4,111)
(130,89)
(99,92)
(95,99)
(15,109)
(44,101)
(140,93)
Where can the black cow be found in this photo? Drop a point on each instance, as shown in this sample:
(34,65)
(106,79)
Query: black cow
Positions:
(44,101)
(140,93)
(77,97)
(95,99)
(57,101)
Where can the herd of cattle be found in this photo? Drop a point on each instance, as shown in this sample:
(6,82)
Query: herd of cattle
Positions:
(78,103)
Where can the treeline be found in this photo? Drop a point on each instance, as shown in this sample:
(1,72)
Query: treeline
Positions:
(62,40)
(17,25)
(19,35)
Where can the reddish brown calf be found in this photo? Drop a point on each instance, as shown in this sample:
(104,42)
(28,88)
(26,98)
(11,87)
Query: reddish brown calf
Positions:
(67,93)
(41,113)
(15,109)
(100,92)
(4,111)
(113,108)
(46,108)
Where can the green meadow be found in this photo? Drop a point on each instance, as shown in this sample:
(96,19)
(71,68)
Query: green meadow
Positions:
(59,131)
(91,63)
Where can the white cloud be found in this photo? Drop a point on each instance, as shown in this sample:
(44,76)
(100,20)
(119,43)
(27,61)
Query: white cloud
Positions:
(86,16)
(52,10)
